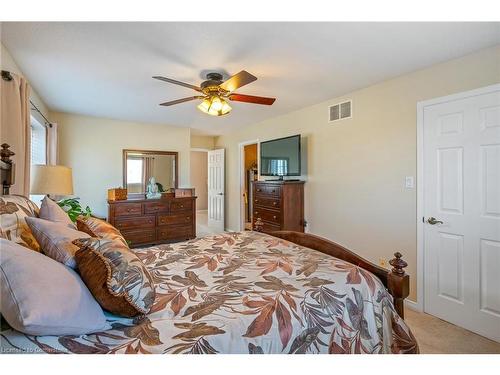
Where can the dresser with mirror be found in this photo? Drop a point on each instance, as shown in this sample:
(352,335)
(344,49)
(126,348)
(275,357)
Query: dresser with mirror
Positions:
(167,218)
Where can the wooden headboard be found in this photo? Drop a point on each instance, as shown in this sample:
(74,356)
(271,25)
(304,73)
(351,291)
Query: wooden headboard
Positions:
(7,168)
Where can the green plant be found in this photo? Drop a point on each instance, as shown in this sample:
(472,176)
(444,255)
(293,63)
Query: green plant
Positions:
(160,187)
(73,208)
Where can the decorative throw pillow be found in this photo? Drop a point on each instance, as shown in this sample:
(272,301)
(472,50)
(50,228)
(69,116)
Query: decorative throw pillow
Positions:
(50,210)
(116,277)
(56,239)
(13,211)
(95,227)
(40,296)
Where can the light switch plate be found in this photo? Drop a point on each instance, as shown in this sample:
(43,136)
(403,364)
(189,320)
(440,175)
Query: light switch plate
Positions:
(409,182)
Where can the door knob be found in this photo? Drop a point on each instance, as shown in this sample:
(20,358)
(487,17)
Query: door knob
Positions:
(220,193)
(433,221)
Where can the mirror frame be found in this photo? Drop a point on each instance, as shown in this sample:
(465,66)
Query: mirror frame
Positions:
(126,152)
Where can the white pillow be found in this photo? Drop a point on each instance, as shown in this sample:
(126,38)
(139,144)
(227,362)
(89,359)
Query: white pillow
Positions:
(40,296)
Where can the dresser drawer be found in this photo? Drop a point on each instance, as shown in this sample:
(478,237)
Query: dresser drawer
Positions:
(154,207)
(267,202)
(181,205)
(267,215)
(176,233)
(175,219)
(130,223)
(267,189)
(128,209)
(138,237)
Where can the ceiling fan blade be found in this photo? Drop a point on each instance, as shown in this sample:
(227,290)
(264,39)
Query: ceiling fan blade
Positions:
(169,80)
(238,80)
(178,101)
(251,99)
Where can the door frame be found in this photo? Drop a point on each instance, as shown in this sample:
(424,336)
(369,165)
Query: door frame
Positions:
(241,173)
(419,303)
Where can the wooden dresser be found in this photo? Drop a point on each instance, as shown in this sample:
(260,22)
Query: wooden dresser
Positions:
(154,221)
(279,204)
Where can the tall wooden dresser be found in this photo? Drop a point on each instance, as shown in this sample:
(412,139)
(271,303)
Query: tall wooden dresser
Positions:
(279,204)
(154,221)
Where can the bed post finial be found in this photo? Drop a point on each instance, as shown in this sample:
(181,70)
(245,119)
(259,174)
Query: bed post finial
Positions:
(398,283)
(5,153)
(258,225)
(398,264)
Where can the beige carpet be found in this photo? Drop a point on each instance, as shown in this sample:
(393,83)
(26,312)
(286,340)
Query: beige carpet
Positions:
(439,337)
(202,228)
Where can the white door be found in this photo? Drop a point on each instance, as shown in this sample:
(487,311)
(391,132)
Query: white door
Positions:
(462,190)
(216,184)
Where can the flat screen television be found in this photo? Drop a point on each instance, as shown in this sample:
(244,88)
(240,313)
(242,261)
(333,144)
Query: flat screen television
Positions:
(280,157)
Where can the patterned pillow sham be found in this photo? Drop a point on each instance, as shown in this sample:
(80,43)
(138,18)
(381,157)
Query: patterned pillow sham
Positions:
(95,227)
(56,239)
(14,209)
(116,277)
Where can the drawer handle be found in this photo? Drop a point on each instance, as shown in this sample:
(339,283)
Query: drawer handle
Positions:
(274,191)
(274,217)
(274,203)
(188,218)
(256,200)
(129,209)
(259,190)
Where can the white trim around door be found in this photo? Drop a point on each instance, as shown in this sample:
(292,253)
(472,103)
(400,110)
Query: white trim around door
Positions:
(419,304)
(241,172)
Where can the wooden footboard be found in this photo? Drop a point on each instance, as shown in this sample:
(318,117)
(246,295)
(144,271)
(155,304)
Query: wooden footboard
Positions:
(395,280)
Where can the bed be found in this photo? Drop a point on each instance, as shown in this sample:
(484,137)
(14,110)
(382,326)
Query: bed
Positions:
(255,293)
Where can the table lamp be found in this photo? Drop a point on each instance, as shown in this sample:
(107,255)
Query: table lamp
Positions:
(51,180)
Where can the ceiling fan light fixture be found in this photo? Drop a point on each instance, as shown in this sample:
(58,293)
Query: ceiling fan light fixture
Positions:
(214,106)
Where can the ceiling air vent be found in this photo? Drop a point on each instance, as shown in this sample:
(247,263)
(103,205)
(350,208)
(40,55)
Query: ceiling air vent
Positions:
(340,111)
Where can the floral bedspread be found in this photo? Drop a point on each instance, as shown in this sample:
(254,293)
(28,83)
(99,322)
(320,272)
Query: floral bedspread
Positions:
(245,293)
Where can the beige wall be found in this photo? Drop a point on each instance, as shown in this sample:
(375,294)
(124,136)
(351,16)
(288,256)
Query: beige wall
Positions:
(199,178)
(8,63)
(93,148)
(356,168)
(202,141)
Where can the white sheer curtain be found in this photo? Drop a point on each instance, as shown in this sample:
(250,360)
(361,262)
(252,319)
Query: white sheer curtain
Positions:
(52,144)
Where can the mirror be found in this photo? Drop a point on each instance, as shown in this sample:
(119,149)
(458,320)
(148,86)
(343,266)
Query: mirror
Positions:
(140,165)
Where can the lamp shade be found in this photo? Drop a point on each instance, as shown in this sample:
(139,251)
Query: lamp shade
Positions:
(51,179)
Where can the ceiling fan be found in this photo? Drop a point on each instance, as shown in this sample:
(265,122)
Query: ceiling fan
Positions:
(214,92)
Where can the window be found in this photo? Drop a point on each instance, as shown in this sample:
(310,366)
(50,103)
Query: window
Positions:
(38,142)
(134,171)
(278,167)
(38,150)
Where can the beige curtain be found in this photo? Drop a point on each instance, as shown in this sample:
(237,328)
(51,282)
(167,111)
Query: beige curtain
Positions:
(16,129)
(52,144)
(148,169)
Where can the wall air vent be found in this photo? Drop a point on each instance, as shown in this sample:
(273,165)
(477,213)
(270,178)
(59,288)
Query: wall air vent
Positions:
(340,111)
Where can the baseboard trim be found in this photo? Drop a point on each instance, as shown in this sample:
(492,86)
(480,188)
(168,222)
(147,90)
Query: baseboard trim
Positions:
(412,305)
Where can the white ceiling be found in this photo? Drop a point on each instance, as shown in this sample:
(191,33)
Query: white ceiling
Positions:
(105,69)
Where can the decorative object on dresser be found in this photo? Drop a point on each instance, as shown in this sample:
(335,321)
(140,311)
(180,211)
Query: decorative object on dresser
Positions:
(154,221)
(184,192)
(117,194)
(278,205)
